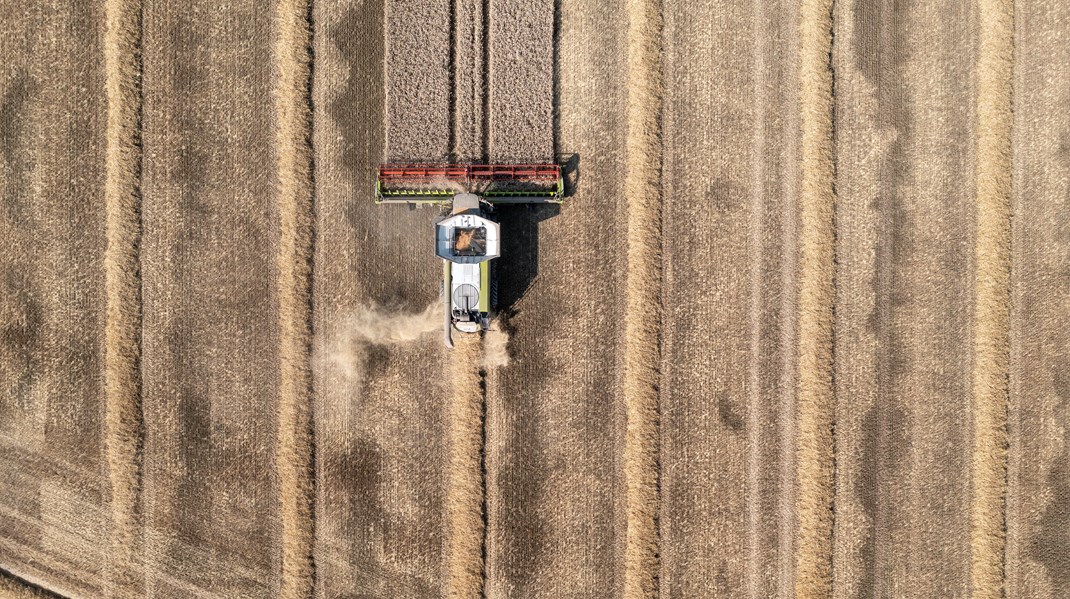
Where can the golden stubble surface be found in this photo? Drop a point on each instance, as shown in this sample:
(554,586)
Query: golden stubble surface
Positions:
(729,234)
(211,305)
(380,375)
(53,122)
(664,424)
(1038,483)
(908,224)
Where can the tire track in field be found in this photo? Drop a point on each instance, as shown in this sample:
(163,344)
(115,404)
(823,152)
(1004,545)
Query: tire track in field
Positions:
(124,428)
(992,307)
(642,349)
(295,459)
(815,402)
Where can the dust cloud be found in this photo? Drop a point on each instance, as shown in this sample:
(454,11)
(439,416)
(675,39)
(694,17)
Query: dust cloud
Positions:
(378,326)
(495,346)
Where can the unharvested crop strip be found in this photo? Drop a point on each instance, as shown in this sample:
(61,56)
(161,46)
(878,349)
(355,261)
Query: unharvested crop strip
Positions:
(451,109)
(814,404)
(123,420)
(486,80)
(294,459)
(556,94)
(464,491)
(992,308)
(642,319)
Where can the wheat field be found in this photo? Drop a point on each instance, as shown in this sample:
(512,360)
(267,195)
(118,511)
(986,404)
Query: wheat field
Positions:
(798,329)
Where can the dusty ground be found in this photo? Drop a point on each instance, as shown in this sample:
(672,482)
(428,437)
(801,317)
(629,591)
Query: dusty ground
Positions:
(791,364)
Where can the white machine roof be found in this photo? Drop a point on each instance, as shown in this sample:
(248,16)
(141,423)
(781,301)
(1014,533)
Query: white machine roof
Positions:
(467,238)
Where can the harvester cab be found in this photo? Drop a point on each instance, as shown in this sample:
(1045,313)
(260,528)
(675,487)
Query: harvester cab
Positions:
(468,238)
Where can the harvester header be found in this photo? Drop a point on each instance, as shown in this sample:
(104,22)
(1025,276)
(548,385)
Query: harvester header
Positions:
(467,234)
(495,183)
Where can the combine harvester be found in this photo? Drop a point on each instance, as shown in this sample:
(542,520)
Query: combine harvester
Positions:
(468,238)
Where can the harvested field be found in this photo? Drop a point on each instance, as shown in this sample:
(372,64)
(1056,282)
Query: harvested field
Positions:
(798,329)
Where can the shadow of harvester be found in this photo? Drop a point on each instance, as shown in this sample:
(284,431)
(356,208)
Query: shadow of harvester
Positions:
(518,265)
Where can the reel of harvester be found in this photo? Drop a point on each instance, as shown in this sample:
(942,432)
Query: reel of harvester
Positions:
(495,183)
(468,238)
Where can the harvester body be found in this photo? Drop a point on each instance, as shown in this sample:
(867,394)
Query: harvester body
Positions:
(468,239)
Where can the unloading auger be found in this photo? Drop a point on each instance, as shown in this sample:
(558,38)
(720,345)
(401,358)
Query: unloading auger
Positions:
(468,238)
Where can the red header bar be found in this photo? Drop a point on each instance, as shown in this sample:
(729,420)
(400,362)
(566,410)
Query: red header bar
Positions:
(463,172)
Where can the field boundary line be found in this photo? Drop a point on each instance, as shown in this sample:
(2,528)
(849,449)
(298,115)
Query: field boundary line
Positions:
(295,457)
(465,522)
(642,319)
(991,322)
(123,419)
(815,395)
